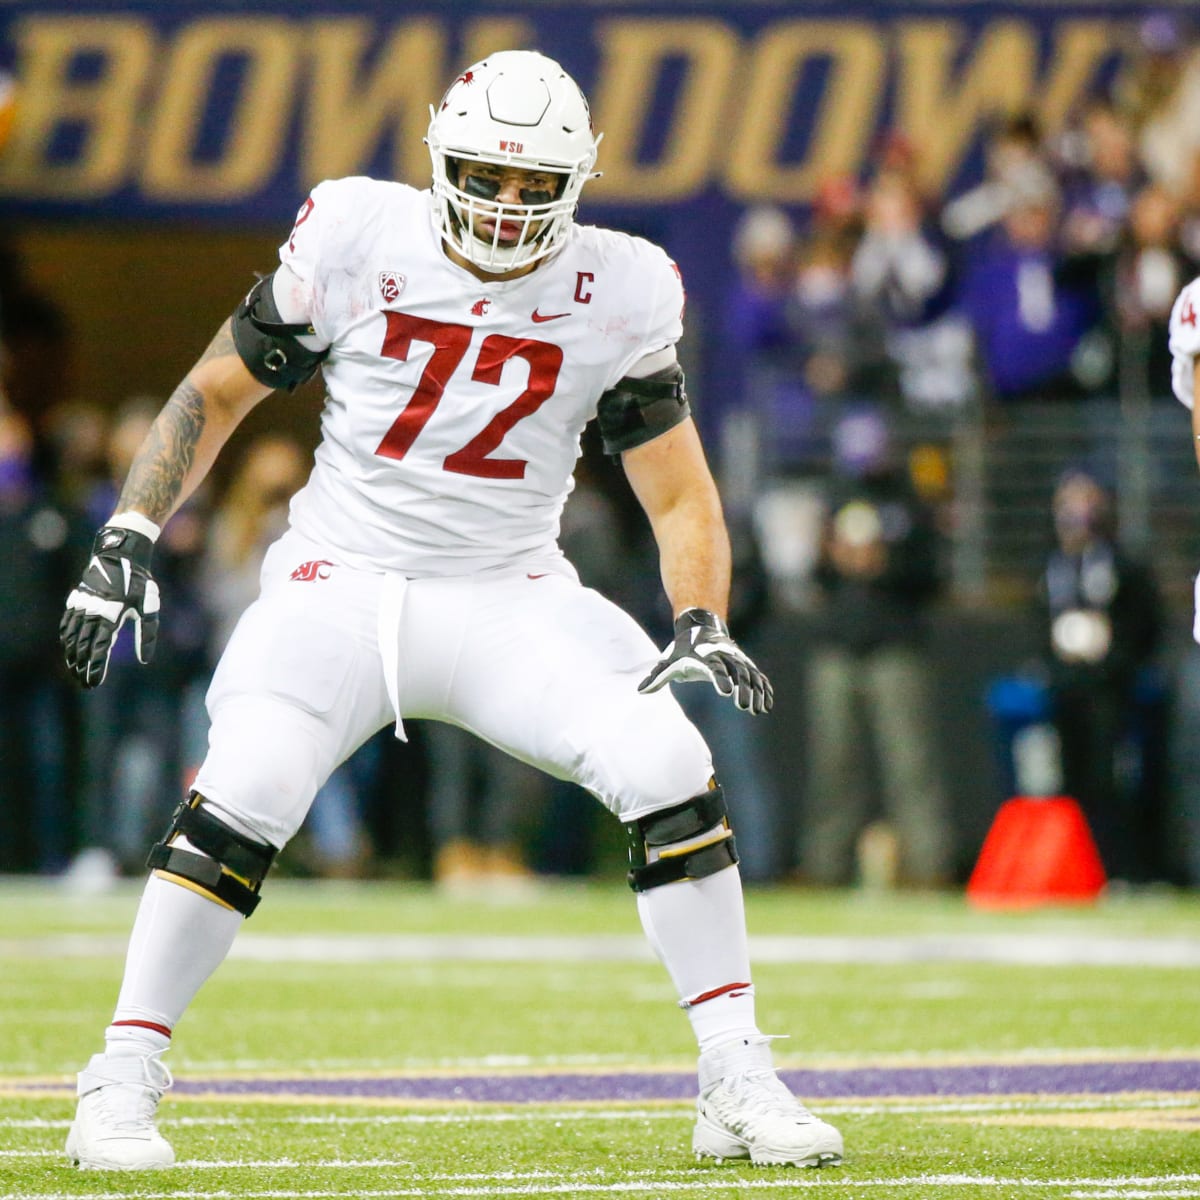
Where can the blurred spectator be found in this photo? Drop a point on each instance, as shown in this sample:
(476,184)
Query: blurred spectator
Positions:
(1151,270)
(839,350)
(836,215)
(480,802)
(1161,93)
(133,727)
(1102,621)
(37,708)
(1182,841)
(899,262)
(1014,152)
(1101,177)
(758,365)
(37,368)
(593,525)
(869,686)
(252,513)
(796,337)
(902,270)
(764,253)
(1030,314)
(35,818)
(839,338)
(76,435)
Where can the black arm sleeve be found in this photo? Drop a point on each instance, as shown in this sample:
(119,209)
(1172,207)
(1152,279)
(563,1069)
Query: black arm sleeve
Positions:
(269,346)
(638,410)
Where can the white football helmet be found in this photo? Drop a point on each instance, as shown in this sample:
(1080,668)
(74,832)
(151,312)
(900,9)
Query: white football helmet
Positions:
(515,108)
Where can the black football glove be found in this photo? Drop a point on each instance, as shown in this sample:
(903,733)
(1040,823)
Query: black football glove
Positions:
(116,587)
(703,649)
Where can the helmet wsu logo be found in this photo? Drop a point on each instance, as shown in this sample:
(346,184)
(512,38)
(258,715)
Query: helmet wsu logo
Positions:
(317,568)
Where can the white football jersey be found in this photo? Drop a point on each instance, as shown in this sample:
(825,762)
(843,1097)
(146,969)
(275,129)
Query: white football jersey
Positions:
(1185,342)
(455,406)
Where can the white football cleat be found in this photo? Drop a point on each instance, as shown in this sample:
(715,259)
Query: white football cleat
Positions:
(746,1111)
(114,1123)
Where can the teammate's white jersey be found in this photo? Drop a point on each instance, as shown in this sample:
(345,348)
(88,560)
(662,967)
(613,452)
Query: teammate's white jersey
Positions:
(1185,342)
(455,406)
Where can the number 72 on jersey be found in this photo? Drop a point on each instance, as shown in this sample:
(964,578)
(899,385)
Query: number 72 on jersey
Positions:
(450,344)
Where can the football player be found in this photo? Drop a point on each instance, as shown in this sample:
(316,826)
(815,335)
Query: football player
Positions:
(467,333)
(1184,334)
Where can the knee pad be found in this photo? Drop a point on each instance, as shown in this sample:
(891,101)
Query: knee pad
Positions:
(688,841)
(230,866)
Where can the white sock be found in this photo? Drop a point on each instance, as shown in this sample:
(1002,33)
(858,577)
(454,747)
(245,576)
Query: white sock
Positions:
(179,939)
(698,929)
(138,1040)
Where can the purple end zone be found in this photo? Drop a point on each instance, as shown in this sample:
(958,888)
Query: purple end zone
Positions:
(1172,1075)
(1082,1078)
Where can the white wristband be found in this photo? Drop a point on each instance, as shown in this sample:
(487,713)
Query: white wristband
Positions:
(137,522)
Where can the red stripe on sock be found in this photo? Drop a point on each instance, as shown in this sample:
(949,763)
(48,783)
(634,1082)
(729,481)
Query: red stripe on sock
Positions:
(156,1027)
(721,991)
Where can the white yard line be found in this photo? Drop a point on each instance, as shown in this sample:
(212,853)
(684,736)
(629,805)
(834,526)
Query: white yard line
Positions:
(1014,949)
(1158,1187)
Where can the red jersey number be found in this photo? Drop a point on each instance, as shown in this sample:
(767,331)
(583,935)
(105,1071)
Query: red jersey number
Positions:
(302,216)
(450,344)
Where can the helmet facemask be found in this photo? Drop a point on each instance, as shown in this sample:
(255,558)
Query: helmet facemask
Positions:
(522,233)
(516,110)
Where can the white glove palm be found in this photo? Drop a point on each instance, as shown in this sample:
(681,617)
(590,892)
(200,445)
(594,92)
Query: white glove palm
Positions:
(703,649)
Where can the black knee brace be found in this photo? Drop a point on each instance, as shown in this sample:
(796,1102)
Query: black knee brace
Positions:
(235,865)
(700,815)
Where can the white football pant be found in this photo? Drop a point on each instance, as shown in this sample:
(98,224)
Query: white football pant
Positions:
(534,663)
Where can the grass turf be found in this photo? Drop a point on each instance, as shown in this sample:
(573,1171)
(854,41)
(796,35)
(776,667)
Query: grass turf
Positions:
(446,1012)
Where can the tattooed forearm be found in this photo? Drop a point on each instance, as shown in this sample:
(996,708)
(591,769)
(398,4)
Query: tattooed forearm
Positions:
(188,434)
(156,482)
(156,478)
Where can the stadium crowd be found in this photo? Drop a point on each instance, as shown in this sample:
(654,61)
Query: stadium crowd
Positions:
(1023,287)
(1041,283)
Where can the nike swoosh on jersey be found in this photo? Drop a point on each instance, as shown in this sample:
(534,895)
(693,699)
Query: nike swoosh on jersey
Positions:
(539,318)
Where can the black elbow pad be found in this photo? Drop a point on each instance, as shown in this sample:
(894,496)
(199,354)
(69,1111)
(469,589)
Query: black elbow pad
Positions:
(269,346)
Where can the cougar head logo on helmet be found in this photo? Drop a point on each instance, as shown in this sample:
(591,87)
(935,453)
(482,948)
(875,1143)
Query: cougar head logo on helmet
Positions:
(516,109)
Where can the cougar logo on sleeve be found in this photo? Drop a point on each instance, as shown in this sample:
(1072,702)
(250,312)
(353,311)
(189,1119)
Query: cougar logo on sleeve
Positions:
(318,568)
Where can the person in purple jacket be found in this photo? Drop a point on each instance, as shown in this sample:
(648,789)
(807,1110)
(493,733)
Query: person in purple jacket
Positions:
(1030,307)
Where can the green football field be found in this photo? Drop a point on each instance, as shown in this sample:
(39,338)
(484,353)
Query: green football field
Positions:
(384,1040)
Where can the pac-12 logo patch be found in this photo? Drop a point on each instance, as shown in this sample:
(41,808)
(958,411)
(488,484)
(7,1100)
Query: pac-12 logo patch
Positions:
(391,284)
